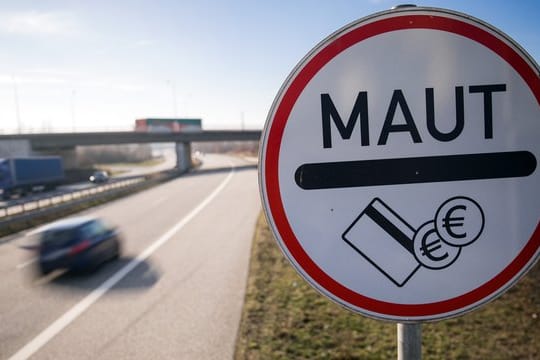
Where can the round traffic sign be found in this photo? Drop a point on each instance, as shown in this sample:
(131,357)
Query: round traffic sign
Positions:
(398,164)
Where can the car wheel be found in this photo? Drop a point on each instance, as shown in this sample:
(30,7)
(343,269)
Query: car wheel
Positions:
(116,251)
(44,271)
(93,264)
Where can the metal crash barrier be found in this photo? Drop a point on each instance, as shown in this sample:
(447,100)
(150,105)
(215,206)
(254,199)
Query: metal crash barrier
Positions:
(27,208)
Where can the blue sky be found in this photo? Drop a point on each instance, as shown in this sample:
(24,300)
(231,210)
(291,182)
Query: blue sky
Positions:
(96,65)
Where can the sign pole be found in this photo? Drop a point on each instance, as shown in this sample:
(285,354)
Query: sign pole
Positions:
(409,339)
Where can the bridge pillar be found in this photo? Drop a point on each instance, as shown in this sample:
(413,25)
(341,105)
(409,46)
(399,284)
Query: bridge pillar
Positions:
(183,156)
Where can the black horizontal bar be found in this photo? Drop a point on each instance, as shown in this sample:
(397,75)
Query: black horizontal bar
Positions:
(414,170)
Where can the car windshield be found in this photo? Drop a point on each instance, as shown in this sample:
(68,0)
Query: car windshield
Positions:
(95,228)
(57,237)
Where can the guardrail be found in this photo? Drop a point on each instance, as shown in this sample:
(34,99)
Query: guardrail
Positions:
(57,201)
(24,206)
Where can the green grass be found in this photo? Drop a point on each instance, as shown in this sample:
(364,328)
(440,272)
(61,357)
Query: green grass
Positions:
(284,318)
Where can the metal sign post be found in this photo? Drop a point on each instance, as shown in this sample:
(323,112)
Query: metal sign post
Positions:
(409,341)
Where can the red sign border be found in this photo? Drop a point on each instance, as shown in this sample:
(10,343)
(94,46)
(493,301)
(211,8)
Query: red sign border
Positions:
(283,107)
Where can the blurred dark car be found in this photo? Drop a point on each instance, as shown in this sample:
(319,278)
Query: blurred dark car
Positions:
(78,244)
(99,177)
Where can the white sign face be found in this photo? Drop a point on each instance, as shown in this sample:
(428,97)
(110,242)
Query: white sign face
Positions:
(399,165)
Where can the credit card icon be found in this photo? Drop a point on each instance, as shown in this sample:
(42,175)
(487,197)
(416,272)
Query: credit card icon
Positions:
(385,240)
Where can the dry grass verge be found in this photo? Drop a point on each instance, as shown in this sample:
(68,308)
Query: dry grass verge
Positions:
(284,318)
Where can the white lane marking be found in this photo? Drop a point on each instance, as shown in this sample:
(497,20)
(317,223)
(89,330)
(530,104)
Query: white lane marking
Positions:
(26,263)
(46,335)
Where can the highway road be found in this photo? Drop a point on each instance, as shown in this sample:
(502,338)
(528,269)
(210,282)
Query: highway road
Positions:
(176,293)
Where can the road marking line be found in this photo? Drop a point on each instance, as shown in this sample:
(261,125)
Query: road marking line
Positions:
(46,335)
(25,264)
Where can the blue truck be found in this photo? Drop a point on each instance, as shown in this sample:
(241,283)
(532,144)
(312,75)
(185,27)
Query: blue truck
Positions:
(22,175)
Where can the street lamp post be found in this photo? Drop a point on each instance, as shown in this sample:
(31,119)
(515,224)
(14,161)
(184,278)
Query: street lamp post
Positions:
(17,108)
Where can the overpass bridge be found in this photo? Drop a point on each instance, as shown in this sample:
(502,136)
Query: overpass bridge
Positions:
(64,144)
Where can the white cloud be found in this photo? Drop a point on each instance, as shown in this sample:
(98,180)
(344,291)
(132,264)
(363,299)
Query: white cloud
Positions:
(10,79)
(51,72)
(38,23)
(105,84)
(52,78)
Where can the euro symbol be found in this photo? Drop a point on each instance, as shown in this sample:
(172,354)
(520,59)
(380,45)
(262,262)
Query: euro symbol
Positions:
(459,221)
(428,248)
(450,222)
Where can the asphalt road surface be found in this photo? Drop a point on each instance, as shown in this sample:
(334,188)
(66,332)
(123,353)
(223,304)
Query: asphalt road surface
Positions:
(176,292)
